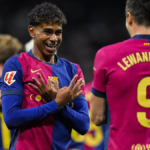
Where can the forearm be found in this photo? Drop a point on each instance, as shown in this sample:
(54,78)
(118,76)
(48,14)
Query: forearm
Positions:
(98,120)
(97,108)
(79,120)
(15,117)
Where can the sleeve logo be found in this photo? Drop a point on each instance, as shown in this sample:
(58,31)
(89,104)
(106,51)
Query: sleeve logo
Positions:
(9,77)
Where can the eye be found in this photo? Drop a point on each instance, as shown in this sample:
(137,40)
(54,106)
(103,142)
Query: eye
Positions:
(48,32)
(58,32)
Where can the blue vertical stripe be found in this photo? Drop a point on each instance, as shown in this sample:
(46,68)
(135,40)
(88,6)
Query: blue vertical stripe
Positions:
(63,71)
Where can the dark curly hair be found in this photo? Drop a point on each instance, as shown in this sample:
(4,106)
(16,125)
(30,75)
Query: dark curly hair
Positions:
(46,12)
(140,10)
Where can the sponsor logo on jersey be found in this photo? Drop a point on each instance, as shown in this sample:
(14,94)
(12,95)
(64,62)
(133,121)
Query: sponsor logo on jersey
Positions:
(146,44)
(9,76)
(71,104)
(34,71)
(37,98)
(140,147)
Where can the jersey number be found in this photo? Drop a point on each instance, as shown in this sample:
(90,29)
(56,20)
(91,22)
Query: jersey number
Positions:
(143,101)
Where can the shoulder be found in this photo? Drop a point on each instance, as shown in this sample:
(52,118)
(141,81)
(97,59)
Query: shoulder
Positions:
(112,48)
(17,57)
(67,62)
(12,60)
(70,65)
(13,63)
(72,68)
(110,52)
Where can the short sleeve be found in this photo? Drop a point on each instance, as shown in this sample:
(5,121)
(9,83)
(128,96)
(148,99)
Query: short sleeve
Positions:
(11,81)
(99,74)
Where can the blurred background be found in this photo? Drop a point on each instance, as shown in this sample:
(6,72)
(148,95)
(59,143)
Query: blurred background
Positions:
(91,25)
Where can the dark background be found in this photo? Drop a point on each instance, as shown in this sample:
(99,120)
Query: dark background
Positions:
(91,25)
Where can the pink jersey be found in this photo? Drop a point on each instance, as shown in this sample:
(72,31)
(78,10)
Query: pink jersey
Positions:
(54,131)
(122,76)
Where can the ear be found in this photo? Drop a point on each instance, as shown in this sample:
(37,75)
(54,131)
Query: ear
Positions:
(129,18)
(31,31)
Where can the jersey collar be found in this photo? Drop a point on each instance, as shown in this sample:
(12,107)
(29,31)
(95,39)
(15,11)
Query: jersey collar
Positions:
(58,61)
(141,36)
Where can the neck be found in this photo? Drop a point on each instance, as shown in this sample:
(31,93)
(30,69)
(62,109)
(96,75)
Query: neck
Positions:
(140,30)
(40,56)
(1,69)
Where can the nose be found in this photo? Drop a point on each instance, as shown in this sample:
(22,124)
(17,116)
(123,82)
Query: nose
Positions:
(53,37)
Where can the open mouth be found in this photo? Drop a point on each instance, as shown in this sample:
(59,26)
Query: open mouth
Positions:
(50,46)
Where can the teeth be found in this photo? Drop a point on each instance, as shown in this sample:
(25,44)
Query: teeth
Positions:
(52,46)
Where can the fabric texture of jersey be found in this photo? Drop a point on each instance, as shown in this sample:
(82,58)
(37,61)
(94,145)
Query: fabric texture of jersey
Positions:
(122,76)
(53,132)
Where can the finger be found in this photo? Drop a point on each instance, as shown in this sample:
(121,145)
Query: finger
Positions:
(77,94)
(41,79)
(73,82)
(78,88)
(36,83)
(80,83)
(63,88)
(55,84)
(35,87)
(49,84)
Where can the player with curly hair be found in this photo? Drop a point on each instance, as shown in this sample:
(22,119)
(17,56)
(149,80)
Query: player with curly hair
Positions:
(121,84)
(43,95)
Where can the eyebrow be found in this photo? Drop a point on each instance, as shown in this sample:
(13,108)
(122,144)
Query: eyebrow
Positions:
(48,29)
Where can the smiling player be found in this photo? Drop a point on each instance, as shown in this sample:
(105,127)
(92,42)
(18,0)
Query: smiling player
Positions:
(42,94)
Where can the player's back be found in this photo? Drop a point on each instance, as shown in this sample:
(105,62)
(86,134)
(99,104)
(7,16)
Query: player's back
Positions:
(127,76)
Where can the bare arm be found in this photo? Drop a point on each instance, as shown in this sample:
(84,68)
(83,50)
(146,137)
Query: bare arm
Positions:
(97,109)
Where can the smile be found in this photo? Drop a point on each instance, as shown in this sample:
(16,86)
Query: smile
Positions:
(50,46)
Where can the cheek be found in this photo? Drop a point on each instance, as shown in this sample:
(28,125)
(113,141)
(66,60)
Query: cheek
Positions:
(58,45)
(60,38)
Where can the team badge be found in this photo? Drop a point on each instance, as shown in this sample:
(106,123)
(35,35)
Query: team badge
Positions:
(9,77)
(54,78)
